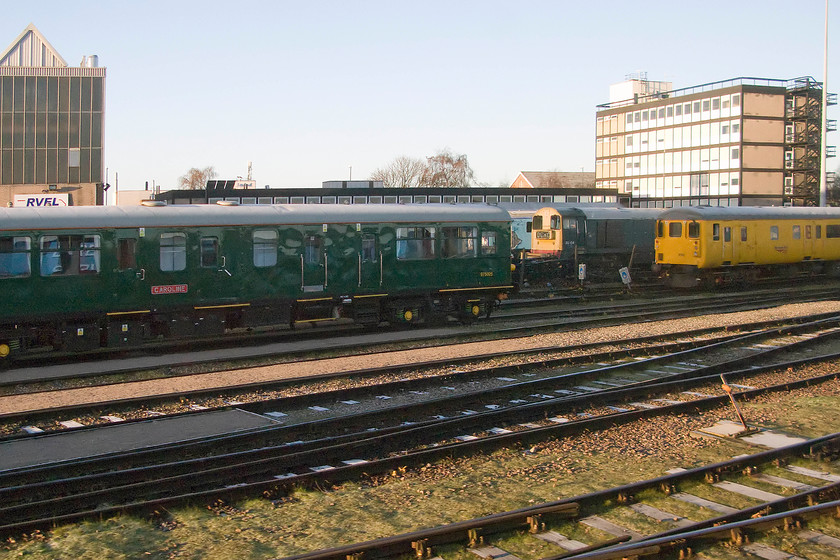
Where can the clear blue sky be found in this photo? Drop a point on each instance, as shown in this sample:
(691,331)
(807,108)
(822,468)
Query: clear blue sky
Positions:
(305,90)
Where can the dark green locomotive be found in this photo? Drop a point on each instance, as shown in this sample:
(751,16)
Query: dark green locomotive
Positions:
(82,278)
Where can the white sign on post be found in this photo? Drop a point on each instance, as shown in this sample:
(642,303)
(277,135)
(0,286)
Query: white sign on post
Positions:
(625,275)
(41,200)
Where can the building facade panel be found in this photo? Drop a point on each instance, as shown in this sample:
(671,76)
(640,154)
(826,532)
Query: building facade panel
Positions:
(51,125)
(764,105)
(763,157)
(763,130)
(763,183)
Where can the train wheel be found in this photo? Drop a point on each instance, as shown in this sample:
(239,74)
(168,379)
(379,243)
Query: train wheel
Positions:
(470,311)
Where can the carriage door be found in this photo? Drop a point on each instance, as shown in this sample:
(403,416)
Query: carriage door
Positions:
(370,263)
(132,291)
(807,242)
(215,275)
(313,266)
(131,271)
(728,242)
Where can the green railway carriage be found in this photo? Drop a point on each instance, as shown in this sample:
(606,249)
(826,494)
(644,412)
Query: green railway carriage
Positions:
(711,245)
(85,277)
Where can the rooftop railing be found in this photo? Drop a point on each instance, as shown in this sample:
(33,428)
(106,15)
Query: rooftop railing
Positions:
(803,82)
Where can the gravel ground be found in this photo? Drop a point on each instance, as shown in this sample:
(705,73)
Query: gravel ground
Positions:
(92,395)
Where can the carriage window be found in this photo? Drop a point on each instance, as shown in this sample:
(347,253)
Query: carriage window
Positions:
(555,222)
(807,232)
(693,230)
(312,250)
(818,232)
(265,248)
(774,233)
(458,242)
(415,243)
(536,223)
(14,257)
(173,251)
(209,252)
(675,229)
(797,232)
(368,248)
(570,224)
(69,255)
(126,254)
(743,233)
(715,232)
(832,231)
(660,229)
(727,235)
(488,243)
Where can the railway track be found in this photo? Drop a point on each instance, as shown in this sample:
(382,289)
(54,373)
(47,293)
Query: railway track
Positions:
(801,492)
(402,386)
(269,461)
(537,317)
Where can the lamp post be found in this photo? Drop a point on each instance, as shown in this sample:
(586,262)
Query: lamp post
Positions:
(823,181)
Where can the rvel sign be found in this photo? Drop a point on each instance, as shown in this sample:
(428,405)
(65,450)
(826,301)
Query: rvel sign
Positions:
(41,200)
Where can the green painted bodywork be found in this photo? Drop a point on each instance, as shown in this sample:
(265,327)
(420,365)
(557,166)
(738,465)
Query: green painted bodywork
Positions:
(234,281)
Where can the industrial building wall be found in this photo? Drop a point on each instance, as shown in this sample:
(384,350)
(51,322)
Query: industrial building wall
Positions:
(762,182)
(764,104)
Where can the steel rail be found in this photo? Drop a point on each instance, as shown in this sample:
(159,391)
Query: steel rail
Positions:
(363,421)
(722,529)
(301,400)
(195,482)
(402,544)
(343,426)
(476,333)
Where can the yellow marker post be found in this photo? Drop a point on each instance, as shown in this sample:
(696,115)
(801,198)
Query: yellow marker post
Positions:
(728,390)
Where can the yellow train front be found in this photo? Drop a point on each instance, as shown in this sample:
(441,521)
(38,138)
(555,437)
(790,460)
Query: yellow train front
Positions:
(703,245)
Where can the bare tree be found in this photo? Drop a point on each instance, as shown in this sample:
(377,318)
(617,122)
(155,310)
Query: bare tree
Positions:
(404,172)
(446,169)
(196,178)
(833,188)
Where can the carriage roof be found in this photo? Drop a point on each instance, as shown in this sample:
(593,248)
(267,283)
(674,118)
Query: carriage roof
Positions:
(75,217)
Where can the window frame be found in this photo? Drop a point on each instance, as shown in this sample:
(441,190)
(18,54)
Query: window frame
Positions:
(675,230)
(488,243)
(208,258)
(410,247)
(173,253)
(369,248)
(126,253)
(77,254)
(462,245)
(264,243)
(16,262)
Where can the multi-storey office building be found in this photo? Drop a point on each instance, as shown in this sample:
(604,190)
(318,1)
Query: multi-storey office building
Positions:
(740,142)
(51,125)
